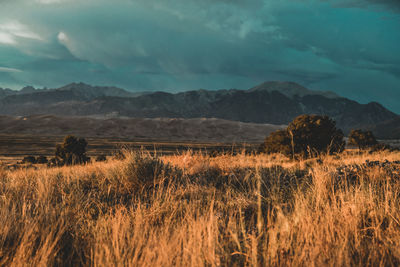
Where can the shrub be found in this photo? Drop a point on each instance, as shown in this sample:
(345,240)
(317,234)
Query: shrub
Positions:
(382,147)
(278,142)
(29,159)
(362,139)
(306,135)
(72,151)
(41,160)
(100,158)
(143,171)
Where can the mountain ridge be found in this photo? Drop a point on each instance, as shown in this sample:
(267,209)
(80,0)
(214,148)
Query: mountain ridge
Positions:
(83,90)
(291,89)
(270,102)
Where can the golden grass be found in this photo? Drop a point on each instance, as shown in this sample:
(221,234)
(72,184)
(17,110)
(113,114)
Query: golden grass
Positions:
(196,210)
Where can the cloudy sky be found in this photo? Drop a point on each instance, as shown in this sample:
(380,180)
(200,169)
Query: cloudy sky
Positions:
(351,47)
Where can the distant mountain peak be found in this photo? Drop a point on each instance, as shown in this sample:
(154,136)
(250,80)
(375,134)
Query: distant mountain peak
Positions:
(290,89)
(28,89)
(74,85)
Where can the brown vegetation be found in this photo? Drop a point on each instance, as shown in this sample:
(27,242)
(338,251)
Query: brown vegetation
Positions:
(305,136)
(195,210)
(362,139)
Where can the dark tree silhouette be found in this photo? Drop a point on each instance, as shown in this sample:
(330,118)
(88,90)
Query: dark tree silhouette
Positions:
(42,160)
(362,139)
(72,151)
(29,159)
(101,158)
(306,136)
(278,142)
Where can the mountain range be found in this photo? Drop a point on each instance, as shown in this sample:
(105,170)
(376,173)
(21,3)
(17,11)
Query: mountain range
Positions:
(268,103)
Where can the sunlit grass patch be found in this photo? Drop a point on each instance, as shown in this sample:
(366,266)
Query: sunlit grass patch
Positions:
(194,210)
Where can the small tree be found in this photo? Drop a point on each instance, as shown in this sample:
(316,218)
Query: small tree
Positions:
(305,135)
(362,139)
(315,133)
(72,151)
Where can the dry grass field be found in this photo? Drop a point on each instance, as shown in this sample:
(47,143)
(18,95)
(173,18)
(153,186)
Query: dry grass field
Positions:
(195,210)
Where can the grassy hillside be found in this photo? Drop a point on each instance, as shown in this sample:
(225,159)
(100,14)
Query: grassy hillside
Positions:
(196,210)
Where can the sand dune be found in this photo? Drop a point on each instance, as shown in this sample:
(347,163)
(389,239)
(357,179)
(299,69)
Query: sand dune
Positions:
(200,129)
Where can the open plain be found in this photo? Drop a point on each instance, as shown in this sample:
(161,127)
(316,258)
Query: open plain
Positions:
(13,148)
(190,209)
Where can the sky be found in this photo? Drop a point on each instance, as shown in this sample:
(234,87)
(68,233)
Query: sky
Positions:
(351,47)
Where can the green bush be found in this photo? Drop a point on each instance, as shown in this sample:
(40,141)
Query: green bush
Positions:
(305,136)
(362,139)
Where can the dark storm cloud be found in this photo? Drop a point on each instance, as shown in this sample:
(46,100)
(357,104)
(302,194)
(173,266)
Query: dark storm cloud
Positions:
(391,5)
(188,44)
